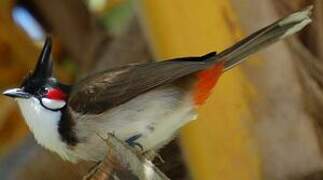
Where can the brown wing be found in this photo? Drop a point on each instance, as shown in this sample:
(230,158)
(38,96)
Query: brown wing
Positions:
(108,89)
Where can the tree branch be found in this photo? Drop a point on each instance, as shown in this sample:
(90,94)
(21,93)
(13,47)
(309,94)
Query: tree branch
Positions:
(126,162)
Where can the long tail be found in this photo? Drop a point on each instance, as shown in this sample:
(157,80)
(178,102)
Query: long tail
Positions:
(264,37)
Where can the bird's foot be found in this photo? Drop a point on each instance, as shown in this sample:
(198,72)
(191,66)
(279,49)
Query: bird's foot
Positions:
(132,142)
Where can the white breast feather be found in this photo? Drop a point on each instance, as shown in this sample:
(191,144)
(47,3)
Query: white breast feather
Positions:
(44,125)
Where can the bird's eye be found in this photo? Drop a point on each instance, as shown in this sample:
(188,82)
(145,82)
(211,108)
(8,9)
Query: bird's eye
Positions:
(42,91)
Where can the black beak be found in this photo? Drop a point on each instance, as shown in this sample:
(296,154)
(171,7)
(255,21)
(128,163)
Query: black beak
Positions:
(16,93)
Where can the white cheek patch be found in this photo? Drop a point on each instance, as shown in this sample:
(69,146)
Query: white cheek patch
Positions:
(53,104)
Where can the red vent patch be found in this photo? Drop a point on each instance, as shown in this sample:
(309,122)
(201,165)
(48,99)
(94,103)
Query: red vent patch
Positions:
(207,79)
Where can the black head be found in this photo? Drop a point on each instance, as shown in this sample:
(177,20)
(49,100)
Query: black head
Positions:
(41,83)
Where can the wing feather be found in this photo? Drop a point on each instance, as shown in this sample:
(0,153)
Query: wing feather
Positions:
(111,88)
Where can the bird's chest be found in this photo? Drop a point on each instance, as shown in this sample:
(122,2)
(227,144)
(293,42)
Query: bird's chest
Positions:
(44,125)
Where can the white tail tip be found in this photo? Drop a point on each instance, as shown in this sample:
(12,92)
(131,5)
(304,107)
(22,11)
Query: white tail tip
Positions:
(300,19)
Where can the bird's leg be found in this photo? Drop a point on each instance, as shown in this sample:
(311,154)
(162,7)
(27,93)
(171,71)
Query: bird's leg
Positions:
(132,142)
(150,154)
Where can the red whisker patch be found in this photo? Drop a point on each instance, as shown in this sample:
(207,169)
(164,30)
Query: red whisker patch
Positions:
(56,94)
(207,79)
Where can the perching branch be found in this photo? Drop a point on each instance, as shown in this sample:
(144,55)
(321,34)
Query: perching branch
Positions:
(126,162)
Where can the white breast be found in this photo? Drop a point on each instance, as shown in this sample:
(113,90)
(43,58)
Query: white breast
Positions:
(44,125)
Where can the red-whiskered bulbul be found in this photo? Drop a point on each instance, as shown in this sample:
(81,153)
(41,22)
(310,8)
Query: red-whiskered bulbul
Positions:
(142,104)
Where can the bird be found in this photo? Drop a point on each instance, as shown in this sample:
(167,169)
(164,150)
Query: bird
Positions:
(143,105)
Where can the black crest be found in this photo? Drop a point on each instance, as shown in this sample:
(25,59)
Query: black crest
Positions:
(44,67)
(43,71)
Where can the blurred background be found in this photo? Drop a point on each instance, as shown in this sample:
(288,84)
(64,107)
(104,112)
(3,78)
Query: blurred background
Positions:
(262,122)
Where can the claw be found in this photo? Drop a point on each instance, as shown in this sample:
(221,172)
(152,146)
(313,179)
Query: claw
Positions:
(132,141)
